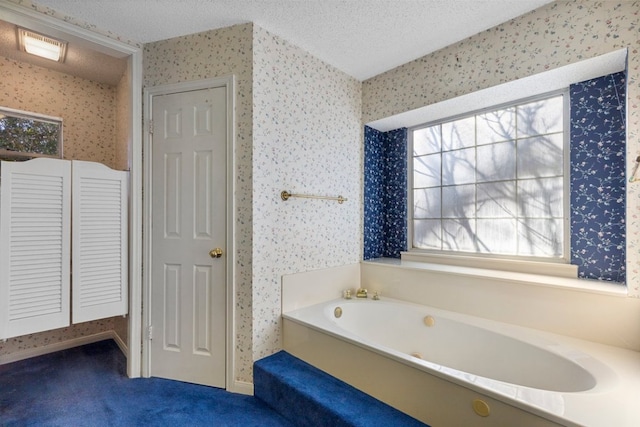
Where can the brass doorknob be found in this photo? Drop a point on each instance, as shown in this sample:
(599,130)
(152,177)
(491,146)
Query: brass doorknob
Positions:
(215,253)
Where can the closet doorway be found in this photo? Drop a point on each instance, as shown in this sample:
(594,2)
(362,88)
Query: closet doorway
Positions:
(190,253)
(91,62)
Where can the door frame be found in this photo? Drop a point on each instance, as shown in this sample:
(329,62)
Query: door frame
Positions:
(55,26)
(149,93)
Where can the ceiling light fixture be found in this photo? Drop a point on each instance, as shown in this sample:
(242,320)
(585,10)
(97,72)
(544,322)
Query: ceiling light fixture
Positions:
(41,45)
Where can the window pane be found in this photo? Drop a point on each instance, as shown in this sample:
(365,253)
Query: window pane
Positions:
(426,171)
(27,135)
(459,134)
(540,117)
(492,183)
(541,198)
(426,141)
(540,156)
(426,234)
(458,201)
(497,236)
(497,200)
(540,237)
(496,126)
(459,167)
(496,162)
(426,203)
(458,235)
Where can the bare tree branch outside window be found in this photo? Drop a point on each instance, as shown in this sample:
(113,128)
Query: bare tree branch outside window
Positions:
(492,182)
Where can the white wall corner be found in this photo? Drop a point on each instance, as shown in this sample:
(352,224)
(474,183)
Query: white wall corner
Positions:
(311,287)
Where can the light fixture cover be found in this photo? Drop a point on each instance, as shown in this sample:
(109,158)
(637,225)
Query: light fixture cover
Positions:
(41,45)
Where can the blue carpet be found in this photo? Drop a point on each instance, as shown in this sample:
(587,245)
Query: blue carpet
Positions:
(309,396)
(88,386)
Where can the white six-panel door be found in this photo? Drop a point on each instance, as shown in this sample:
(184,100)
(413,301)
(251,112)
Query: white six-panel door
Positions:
(188,237)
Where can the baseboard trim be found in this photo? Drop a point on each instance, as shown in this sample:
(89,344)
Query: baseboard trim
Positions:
(121,344)
(241,387)
(63,345)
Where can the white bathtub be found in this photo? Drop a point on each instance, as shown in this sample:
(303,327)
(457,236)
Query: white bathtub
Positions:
(446,368)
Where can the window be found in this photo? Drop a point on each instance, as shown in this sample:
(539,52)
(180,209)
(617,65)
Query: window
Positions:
(493,182)
(26,135)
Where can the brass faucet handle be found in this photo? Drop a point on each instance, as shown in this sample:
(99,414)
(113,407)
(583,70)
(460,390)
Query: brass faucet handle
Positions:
(347,294)
(361,293)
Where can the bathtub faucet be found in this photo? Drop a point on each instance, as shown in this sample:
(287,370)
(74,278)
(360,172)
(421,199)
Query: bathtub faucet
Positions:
(361,293)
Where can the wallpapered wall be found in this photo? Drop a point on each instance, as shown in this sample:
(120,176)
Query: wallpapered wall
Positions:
(87,108)
(206,55)
(88,112)
(298,128)
(306,139)
(552,36)
(385,193)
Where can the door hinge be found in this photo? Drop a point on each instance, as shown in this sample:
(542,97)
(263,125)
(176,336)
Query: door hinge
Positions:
(150,333)
(151,127)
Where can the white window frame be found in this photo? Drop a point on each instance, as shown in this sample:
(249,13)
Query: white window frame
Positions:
(469,258)
(9,154)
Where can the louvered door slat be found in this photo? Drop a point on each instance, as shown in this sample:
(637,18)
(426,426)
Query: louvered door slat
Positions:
(34,246)
(100,267)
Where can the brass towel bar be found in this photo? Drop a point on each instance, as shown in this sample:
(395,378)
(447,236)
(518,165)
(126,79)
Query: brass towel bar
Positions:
(285,195)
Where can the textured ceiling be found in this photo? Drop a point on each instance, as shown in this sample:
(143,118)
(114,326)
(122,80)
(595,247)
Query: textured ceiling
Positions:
(360,37)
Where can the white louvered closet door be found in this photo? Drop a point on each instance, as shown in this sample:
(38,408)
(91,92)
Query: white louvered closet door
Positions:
(34,246)
(99,237)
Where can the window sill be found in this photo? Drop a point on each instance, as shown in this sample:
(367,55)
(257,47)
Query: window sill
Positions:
(555,269)
(573,284)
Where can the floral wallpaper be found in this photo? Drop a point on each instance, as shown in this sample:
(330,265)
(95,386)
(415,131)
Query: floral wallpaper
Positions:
(598,177)
(123,117)
(551,36)
(87,108)
(374,206)
(385,193)
(307,139)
